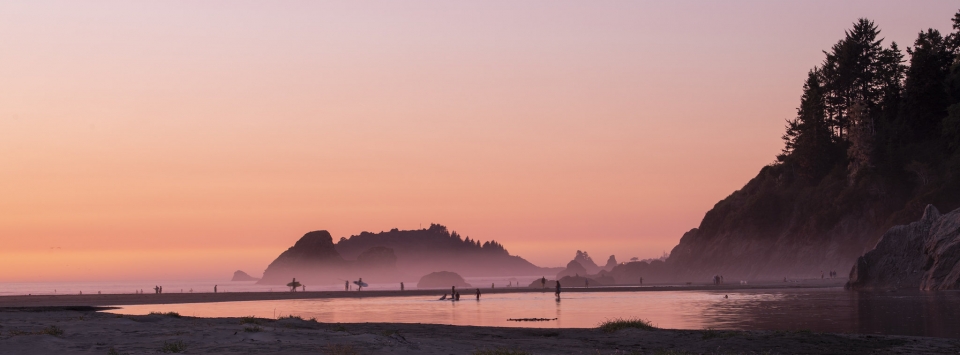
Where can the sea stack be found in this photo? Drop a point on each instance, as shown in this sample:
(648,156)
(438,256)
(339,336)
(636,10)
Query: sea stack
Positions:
(239,275)
(310,259)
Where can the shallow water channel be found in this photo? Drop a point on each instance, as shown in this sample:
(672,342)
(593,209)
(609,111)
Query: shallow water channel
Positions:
(819,310)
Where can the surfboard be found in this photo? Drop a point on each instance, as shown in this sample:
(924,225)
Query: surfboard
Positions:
(360,283)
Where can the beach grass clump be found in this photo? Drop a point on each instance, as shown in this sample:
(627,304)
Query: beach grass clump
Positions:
(613,325)
(499,351)
(168,314)
(290,317)
(51,330)
(249,320)
(255,328)
(173,347)
(340,349)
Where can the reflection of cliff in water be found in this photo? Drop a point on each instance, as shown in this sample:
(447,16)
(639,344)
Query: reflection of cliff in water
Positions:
(904,312)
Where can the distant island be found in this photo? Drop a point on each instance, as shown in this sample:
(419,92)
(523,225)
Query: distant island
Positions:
(394,256)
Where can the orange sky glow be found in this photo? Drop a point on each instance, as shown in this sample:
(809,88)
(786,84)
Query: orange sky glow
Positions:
(188,139)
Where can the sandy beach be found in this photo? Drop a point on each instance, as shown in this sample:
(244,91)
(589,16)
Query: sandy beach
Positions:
(60,331)
(174,298)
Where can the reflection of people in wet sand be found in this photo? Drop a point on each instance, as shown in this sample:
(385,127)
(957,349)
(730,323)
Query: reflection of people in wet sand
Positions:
(558,289)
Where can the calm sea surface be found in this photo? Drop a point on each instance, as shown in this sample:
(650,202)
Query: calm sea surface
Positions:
(820,310)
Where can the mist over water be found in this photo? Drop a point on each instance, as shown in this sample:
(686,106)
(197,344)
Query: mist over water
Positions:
(818,310)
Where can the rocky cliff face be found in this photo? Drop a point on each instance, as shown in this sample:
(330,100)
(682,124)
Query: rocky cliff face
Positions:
(313,254)
(777,226)
(921,255)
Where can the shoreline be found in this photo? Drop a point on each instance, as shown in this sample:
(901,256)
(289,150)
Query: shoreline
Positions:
(71,331)
(103,300)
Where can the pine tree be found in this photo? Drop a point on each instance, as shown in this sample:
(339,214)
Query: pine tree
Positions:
(859,69)
(809,143)
(925,95)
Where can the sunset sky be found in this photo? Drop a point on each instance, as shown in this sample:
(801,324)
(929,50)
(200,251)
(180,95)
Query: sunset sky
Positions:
(189,139)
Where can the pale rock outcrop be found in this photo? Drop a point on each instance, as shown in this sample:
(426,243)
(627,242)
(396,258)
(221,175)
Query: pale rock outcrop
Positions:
(922,255)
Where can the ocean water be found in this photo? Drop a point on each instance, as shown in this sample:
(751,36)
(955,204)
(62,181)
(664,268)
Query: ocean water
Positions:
(819,310)
(175,286)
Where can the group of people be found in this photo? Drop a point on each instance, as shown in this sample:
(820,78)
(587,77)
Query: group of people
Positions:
(718,279)
(832,274)
(455,295)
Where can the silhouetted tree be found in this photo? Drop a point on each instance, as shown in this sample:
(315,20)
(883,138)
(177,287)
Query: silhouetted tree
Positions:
(925,96)
(808,142)
(859,69)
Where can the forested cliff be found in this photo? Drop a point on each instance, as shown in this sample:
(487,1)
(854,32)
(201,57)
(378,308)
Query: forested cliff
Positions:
(874,141)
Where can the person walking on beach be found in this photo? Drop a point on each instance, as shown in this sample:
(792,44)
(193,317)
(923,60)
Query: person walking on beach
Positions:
(214,288)
(457,297)
(346,285)
(543,282)
(161,289)
(453,291)
(156,289)
(401,286)
(558,289)
(478,294)
(641,281)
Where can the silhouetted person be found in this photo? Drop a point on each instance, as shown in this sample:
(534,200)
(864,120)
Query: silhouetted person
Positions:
(641,281)
(586,283)
(346,285)
(558,289)
(401,286)
(156,289)
(360,284)
(453,290)
(543,282)
(214,288)
(492,286)
(478,294)
(444,297)
(161,289)
(304,288)
(457,296)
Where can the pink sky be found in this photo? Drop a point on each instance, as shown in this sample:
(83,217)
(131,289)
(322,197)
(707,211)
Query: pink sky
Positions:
(188,139)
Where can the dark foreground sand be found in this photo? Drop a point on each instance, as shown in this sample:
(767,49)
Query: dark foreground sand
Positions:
(61,331)
(172,298)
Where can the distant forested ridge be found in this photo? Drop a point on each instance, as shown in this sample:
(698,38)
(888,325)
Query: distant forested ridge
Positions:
(876,138)
(423,251)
